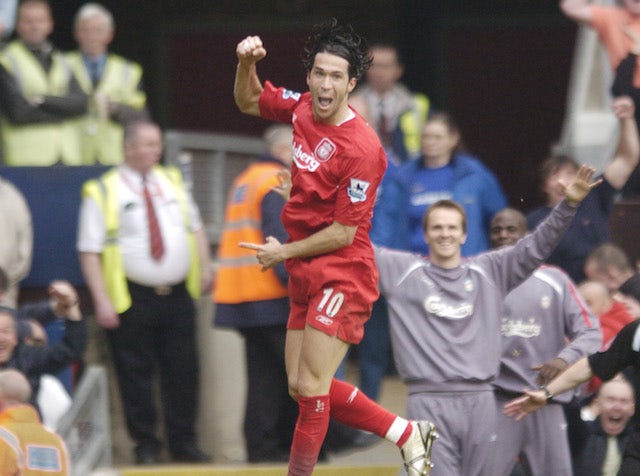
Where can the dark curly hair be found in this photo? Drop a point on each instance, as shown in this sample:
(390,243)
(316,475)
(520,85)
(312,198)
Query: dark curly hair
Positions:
(342,41)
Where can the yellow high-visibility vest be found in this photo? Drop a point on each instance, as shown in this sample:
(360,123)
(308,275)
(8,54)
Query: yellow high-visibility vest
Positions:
(104,191)
(101,138)
(37,143)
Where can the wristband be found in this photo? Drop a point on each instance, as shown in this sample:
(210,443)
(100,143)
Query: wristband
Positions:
(547,393)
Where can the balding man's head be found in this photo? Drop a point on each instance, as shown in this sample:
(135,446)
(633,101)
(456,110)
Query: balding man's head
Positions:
(596,295)
(14,388)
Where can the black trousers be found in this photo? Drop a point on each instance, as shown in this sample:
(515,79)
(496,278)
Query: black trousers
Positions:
(270,413)
(157,334)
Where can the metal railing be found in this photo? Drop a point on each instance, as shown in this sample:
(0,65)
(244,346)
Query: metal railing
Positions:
(85,428)
(209,163)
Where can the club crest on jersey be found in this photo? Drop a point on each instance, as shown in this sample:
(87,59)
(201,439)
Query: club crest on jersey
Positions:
(358,190)
(324,150)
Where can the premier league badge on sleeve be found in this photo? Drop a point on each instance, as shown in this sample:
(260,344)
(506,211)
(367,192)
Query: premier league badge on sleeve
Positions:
(358,190)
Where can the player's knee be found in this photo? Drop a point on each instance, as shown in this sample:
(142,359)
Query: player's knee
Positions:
(308,385)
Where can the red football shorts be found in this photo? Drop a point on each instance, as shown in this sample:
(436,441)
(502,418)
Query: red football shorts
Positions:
(332,294)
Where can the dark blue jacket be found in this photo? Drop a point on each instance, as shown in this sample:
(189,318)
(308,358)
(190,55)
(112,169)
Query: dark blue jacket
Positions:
(50,359)
(589,228)
(475,187)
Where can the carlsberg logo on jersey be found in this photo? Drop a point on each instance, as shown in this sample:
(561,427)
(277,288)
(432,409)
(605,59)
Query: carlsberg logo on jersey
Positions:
(520,328)
(303,160)
(434,305)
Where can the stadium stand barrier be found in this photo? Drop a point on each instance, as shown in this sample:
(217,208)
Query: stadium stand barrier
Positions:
(86,426)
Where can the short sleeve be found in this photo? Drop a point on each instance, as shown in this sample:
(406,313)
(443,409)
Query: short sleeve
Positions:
(91,227)
(278,104)
(358,187)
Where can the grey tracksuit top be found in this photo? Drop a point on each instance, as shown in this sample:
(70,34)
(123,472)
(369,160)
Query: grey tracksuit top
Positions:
(445,323)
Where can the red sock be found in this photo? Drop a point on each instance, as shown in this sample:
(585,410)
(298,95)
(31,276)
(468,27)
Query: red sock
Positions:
(352,407)
(311,428)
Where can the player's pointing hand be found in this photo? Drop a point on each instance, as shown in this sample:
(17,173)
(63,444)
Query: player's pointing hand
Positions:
(269,254)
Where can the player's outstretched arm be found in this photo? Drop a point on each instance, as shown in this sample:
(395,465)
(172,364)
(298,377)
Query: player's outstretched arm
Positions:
(247,86)
(533,400)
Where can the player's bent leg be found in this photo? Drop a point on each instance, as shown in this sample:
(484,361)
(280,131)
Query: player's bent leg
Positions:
(415,439)
(416,452)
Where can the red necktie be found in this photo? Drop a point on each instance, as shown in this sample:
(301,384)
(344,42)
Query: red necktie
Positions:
(157,247)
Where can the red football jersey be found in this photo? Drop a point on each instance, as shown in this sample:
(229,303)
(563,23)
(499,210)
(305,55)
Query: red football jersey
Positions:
(335,173)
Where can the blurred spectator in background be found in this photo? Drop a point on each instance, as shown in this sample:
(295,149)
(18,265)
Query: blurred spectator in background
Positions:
(605,438)
(41,323)
(16,246)
(609,264)
(145,257)
(36,360)
(591,226)
(256,303)
(618,28)
(443,171)
(113,83)
(396,114)
(26,447)
(37,93)
(613,314)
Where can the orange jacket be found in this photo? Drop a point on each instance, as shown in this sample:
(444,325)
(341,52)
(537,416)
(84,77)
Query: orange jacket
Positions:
(240,277)
(27,448)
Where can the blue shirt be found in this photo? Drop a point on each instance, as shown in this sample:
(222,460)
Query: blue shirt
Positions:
(465,180)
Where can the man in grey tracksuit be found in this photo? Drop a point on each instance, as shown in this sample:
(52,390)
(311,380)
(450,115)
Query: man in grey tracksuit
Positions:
(445,325)
(537,319)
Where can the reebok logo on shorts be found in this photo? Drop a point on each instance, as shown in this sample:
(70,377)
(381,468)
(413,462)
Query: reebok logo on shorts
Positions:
(324,320)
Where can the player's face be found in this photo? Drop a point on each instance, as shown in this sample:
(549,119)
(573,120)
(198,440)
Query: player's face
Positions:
(93,35)
(506,228)
(8,337)
(616,407)
(445,236)
(633,6)
(34,23)
(552,187)
(330,85)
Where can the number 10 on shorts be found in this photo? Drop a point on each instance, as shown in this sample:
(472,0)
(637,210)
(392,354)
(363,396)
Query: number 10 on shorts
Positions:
(331,302)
